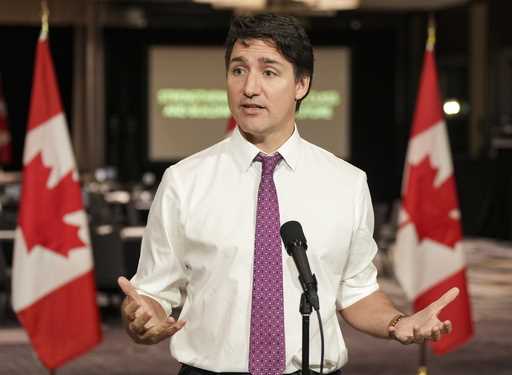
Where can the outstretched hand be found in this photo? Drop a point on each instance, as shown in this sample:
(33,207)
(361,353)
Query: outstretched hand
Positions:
(145,320)
(425,325)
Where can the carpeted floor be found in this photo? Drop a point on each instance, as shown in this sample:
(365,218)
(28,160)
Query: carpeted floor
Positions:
(489,352)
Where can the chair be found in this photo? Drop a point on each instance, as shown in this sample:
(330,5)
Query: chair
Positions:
(4,286)
(109,263)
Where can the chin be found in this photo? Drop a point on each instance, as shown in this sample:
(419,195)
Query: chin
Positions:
(252,127)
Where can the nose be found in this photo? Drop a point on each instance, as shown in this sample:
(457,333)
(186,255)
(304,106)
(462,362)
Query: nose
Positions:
(252,85)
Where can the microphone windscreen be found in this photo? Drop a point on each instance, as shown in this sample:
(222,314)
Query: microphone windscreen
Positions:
(291,231)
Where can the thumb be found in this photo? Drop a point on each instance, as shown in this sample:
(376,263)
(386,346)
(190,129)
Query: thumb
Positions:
(128,289)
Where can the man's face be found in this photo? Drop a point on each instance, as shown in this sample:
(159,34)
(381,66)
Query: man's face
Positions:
(262,89)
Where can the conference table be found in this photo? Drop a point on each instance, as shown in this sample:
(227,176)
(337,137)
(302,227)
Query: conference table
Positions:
(131,237)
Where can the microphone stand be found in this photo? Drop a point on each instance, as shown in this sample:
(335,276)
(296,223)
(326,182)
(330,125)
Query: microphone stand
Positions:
(305,310)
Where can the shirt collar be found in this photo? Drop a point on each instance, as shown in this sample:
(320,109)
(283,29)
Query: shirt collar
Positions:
(245,152)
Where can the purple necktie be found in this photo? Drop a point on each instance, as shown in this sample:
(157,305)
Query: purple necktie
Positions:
(266,351)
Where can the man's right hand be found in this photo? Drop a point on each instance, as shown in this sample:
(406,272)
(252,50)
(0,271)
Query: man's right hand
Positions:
(144,319)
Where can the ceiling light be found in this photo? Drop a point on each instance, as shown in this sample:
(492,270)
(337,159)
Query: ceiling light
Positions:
(332,4)
(240,4)
(451,107)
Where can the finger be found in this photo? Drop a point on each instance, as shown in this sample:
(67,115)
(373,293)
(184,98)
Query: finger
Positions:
(162,331)
(435,334)
(444,300)
(128,289)
(138,325)
(406,340)
(142,310)
(173,328)
(131,309)
(171,321)
(155,334)
(447,327)
(419,338)
(392,332)
(403,339)
(180,324)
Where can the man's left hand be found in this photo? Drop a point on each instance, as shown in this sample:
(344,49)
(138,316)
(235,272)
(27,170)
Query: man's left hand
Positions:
(425,325)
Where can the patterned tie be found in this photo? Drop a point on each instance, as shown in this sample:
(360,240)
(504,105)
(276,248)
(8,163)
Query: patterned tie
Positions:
(267,352)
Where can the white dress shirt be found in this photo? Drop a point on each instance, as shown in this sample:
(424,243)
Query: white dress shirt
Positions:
(198,246)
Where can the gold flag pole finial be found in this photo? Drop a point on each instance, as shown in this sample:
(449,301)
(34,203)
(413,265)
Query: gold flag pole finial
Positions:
(45,13)
(431,39)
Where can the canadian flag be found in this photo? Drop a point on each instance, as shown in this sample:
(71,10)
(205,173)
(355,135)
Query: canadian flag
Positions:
(53,291)
(5,136)
(428,254)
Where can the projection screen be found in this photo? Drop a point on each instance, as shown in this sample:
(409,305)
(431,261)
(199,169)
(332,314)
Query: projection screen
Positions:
(187,104)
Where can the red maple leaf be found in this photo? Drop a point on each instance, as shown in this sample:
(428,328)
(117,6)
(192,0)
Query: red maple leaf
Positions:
(429,207)
(42,210)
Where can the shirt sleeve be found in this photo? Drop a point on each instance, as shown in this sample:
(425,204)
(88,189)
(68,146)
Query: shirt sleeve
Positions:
(160,273)
(359,278)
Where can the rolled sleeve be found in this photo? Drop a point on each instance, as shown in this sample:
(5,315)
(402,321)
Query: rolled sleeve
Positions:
(160,273)
(357,287)
(359,278)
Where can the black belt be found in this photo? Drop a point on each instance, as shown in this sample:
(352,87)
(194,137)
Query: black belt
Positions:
(189,370)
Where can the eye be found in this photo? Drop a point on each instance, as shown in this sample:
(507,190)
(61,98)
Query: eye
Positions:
(236,71)
(269,73)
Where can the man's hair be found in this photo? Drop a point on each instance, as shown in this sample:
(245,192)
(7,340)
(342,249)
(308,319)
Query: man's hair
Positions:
(285,32)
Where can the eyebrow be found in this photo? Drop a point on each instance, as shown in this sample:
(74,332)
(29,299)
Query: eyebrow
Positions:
(237,59)
(264,60)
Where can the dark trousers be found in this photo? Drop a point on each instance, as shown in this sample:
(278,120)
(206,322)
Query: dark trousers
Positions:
(189,370)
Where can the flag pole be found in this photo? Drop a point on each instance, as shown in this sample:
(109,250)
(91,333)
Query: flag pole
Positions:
(431,41)
(45,13)
(422,369)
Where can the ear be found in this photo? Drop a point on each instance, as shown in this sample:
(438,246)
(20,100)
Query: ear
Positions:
(301,87)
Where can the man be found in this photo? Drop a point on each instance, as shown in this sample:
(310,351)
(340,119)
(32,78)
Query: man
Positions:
(212,240)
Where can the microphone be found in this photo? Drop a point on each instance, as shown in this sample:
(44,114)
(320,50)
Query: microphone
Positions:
(296,246)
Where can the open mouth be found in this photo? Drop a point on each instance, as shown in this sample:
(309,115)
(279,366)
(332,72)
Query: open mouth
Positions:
(252,106)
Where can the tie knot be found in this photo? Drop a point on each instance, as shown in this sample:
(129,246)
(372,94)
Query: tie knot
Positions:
(268,163)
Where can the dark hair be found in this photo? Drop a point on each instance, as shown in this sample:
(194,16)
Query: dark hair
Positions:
(285,32)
